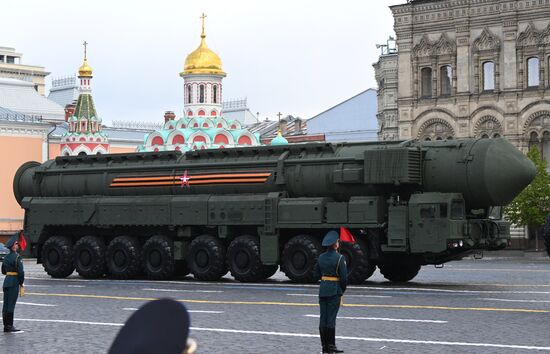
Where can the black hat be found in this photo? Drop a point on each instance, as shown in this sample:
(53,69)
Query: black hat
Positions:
(160,326)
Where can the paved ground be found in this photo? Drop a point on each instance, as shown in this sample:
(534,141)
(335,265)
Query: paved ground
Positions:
(495,305)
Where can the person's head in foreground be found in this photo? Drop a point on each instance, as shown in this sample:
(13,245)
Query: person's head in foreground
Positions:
(159,326)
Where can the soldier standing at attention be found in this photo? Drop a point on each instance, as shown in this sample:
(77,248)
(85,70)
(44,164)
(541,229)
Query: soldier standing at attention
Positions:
(12,268)
(331,268)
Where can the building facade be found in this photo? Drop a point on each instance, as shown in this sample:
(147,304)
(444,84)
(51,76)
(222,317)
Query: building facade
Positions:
(471,68)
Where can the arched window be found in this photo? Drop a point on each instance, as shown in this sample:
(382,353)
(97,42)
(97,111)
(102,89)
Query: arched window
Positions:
(488,76)
(426,75)
(215,94)
(201,94)
(445,77)
(533,140)
(533,78)
(189,93)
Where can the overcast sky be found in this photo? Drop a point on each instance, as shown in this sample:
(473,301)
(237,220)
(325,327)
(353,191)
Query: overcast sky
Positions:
(298,57)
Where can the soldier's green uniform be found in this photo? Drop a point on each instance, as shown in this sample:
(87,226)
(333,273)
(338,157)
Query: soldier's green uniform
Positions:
(331,268)
(12,268)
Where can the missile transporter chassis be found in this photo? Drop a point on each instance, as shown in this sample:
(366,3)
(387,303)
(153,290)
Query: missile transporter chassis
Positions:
(250,210)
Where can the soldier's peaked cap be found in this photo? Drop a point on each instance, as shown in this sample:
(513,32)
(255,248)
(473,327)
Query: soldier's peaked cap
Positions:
(11,241)
(160,326)
(330,238)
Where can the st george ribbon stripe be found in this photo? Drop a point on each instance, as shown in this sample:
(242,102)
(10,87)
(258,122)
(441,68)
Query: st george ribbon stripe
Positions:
(202,179)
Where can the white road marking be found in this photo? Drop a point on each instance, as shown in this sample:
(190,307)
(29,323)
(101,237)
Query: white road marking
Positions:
(458,291)
(184,291)
(345,296)
(73,322)
(36,286)
(190,311)
(32,304)
(76,286)
(381,340)
(316,336)
(383,319)
(512,300)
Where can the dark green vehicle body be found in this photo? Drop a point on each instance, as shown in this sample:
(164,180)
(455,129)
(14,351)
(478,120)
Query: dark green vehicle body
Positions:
(250,209)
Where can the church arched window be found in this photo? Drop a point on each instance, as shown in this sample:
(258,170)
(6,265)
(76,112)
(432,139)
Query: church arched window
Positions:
(215,94)
(189,93)
(201,94)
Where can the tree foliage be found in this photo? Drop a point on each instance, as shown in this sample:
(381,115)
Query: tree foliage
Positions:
(532,205)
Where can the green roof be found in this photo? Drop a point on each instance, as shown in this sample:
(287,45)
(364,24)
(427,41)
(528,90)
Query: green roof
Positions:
(85,107)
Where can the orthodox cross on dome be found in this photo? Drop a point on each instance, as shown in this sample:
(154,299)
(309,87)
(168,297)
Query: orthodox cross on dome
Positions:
(85,44)
(202,18)
(279,115)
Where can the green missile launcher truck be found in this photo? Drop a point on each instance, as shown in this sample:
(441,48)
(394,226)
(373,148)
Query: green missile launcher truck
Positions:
(251,210)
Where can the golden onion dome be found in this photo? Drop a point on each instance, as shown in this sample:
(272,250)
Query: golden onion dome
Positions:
(85,70)
(203,61)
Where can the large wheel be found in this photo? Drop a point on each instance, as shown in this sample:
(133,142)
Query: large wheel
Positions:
(243,258)
(158,258)
(359,266)
(89,257)
(57,256)
(206,258)
(124,257)
(399,273)
(546,235)
(299,257)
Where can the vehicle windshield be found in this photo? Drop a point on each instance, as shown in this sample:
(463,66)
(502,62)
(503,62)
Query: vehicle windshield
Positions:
(495,213)
(457,210)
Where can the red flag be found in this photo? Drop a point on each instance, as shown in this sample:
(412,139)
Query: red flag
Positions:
(22,241)
(346,236)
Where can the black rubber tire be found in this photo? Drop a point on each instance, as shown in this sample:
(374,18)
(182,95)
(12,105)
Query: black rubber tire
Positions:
(57,256)
(206,258)
(360,267)
(399,273)
(299,257)
(158,258)
(123,257)
(546,235)
(89,257)
(243,259)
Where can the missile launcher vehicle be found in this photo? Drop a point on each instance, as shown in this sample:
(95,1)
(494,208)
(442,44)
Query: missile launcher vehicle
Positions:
(250,210)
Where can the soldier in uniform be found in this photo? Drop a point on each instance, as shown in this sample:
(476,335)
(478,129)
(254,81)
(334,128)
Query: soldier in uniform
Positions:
(331,268)
(12,268)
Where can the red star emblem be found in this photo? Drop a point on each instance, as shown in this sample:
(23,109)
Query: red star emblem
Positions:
(185,179)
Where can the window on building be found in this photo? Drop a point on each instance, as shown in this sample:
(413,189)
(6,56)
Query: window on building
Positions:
(546,146)
(533,78)
(488,76)
(189,93)
(215,94)
(201,94)
(426,75)
(446,77)
(10,60)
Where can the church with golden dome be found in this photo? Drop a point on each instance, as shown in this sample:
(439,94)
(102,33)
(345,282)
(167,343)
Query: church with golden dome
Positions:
(84,135)
(202,126)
